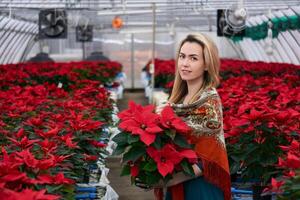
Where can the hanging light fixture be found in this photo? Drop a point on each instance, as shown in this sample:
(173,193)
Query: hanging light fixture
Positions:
(117,22)
(269,39)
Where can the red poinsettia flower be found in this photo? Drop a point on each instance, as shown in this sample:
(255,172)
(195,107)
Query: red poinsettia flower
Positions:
(165,158)
(59,159)
(133,108)
(90,157)
(169,84)
(24,143)
(98,144)
(48,146)
(47,163)
(144,124)
(295,145)
(79,123)
(27,194)
(14,176)
(68,139)
(20,133)
(57,179)
(293,161)
(27,157)
(189,154)
(36,121)
(276,185)
(8,163)
(170,120)
(257,115)
(52,132)
(134,170)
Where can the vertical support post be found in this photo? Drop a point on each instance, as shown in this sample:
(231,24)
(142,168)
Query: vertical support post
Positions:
(152,66)
(83,50)
(132,61)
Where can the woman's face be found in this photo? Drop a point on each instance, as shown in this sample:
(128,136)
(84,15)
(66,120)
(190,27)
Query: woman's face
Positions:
(190,62)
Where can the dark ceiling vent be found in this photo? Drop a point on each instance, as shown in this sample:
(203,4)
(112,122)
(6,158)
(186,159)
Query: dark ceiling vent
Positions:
(53,24)
(84,33)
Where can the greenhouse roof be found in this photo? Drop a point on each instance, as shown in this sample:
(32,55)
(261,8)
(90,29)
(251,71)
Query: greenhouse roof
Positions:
(138,14)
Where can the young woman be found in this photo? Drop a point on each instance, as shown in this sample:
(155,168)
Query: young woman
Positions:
(195,99)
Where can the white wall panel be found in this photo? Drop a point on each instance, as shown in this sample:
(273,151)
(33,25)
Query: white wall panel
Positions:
(31,29)
(14,36)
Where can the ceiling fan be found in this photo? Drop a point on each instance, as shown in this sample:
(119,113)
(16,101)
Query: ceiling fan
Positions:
(232,21)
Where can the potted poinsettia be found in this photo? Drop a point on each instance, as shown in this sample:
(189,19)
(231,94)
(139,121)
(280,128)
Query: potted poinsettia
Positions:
(260,115)
(153,147)
(287,186)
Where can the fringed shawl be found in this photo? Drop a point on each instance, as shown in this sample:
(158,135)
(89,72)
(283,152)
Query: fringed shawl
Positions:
(205,117)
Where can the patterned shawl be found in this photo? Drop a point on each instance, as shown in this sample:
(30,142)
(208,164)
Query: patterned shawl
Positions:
(205,117)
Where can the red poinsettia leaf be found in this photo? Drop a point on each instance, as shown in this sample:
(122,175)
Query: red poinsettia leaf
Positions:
(153,153)
(134,171)
(188,153)
(13,177)
(165,168)
(149,108)
(281,162)
(20,133)
(147,138)
(154,129)
(284,148)
(168,113)
(293,161)
(234,122)
(148,118)
(254,114)
(276,184)
(129,125)
(61,179)
(295,145)
(180,126)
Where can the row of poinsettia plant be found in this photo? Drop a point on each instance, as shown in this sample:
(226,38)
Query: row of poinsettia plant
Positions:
(261,119)
(163,73)
(51,121)
(65,73)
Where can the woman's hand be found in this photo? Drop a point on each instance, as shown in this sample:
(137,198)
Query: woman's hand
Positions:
(161,106)
(181,177)
(142,185)
(177,178)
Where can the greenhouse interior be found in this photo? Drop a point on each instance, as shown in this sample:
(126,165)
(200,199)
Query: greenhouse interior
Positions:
(150,99)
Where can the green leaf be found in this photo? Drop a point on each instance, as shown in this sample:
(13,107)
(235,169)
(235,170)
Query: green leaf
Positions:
(158,144)
(181,141)
(52,189)
(250,148)
(134,153)
(294,133)
(171,133)
(150,166)
(132,138)
(119,150)
(187,168)
(125,171)
(121,138)
(234,168)
(152,178)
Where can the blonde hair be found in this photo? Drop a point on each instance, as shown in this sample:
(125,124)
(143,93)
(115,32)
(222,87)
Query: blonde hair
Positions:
(211,61)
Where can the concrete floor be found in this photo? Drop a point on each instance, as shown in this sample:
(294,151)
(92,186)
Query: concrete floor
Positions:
(122,185)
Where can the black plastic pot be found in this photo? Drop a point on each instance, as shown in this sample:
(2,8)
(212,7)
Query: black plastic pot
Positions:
(257,191)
